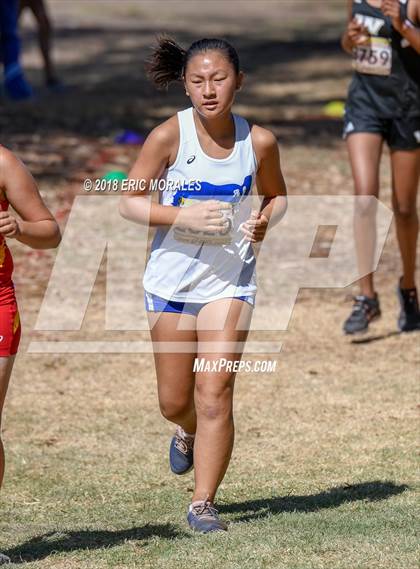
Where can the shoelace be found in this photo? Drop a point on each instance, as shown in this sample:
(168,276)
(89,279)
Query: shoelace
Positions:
(184,445)
(205,510)
(360,304)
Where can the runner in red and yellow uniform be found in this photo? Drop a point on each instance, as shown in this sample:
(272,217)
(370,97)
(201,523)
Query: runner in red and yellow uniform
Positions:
(34,226)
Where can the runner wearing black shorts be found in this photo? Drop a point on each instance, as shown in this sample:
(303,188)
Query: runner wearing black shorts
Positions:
(383,104)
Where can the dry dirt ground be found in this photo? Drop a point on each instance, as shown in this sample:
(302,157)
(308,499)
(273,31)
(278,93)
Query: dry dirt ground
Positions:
(329,437)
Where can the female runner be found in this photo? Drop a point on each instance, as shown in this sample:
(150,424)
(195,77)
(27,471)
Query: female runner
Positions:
(384,105)
(200,281)
(35,227)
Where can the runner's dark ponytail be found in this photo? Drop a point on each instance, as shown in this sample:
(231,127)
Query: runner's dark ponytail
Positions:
(169,60)
(166,63)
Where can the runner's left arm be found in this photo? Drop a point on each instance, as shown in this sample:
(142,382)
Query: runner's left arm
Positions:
(409,29)
(270,185)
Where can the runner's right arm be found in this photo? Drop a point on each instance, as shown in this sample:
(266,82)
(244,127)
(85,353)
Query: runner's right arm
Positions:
(160,150)
(355,34)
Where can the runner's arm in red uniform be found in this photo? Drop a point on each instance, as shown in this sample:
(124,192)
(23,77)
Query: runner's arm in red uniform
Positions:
(36,226)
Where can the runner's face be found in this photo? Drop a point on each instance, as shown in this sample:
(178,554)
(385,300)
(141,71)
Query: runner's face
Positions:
(211,82)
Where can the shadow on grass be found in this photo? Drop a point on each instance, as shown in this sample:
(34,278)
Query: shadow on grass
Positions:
(331,498)
(370,339)
(42,546)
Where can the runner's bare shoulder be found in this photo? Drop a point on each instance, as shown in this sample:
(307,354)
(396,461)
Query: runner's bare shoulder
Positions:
(263,141)
(165,138)
(8,164)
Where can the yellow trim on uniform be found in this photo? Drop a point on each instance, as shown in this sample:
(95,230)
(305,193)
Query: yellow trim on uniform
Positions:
(2,252)
(16,321)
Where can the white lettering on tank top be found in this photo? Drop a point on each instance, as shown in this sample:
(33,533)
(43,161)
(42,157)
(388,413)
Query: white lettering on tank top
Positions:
(372,24)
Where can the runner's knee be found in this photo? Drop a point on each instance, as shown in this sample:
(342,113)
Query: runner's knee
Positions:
(173,411)
(405,211)
(215,403)
(365,206)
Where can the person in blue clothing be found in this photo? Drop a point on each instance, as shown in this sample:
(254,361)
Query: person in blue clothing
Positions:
(15,84)
(199,281)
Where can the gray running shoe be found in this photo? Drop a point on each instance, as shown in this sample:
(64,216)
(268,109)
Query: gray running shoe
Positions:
(181,452)
(203,517)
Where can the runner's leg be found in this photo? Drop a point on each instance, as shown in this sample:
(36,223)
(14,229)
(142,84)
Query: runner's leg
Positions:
(405,183)
(6,365)
(365,153)
(174,370)
(214,391)
(44,37)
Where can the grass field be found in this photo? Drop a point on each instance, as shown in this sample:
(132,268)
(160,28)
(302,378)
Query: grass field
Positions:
(324,472)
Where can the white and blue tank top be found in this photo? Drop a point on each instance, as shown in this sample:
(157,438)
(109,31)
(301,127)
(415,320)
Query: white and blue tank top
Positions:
(191,266)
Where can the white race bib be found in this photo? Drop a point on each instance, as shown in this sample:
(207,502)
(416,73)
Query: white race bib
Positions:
(375,58)
(222,237)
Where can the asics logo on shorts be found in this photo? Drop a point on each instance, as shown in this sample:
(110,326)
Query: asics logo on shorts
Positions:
(149,299)
(349,127)
(417,135)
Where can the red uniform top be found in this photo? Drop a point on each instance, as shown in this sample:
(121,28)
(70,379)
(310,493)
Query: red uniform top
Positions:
(6,261)
(10,328)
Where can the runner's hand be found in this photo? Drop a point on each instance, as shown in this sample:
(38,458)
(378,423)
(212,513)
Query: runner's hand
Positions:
(204,216)
(357,33)
(255,227)
(9,225)
(391,8)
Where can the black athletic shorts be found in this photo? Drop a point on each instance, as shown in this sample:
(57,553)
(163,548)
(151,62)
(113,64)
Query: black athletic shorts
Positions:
(400,133)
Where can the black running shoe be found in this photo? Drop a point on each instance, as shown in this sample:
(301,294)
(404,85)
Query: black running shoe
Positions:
(409,318)
(364,310)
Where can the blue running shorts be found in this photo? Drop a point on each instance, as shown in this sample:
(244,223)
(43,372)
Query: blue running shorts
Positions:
(155,303)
